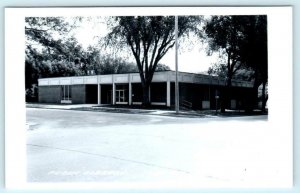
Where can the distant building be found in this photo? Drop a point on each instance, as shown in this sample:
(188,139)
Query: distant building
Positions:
(196,91)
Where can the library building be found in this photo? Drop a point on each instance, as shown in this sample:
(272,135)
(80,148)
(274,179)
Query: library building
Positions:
(196,91)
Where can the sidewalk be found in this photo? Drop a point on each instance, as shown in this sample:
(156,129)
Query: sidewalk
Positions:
(59,106)
(137,110)
(108,108)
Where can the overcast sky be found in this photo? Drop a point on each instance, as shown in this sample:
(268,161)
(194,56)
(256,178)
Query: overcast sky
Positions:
(191,58)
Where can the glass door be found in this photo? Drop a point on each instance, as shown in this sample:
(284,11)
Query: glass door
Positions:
(120,96)
(66,94)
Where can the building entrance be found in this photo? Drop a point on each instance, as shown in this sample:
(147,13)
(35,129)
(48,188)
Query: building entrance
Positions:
(66,96)
(106,94)
(121,97)
(121,94)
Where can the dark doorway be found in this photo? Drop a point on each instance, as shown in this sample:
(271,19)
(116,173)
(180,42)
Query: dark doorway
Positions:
(137,92)
(106,94)
(158,92)
(91,94)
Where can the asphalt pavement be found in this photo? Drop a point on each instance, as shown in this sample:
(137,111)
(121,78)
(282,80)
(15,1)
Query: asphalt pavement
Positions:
(85,146)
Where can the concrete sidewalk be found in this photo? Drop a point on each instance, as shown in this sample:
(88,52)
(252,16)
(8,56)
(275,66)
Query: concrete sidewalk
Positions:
(58,106)
(135,110)
(108,108)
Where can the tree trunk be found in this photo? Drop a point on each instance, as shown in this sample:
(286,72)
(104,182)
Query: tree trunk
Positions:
(264,98)
(223,100)
(146,96)
(225,93)
(252,100)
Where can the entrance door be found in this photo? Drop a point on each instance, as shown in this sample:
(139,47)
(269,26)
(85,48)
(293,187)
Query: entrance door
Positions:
(66,94)
(121,97)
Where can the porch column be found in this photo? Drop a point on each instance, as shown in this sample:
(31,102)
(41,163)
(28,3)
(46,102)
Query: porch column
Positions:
(129,90)
(168,93)
(114,93)
(99,94)
(129,93)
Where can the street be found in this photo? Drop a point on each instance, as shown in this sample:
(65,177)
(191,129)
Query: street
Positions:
(83,146)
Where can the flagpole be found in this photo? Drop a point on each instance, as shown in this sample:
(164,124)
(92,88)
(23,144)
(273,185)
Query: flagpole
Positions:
(176,67)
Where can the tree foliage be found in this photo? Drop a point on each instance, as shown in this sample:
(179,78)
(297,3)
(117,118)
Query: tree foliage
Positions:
(242,42)
(227,34)
(44,31)
(220,70)
(50,50)
(255,52)
(148,38)
(255,55)
(109,63)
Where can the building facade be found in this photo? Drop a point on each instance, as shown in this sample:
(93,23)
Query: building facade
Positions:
(196,91)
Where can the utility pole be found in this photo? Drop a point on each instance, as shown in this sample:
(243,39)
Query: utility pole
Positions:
(176,67)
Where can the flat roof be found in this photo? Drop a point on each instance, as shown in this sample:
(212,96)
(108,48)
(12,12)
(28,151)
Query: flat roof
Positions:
(161,76)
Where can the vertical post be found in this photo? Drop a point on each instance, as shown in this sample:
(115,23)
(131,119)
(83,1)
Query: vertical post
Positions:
(130,94)
(216,98)
(68,93)
(99,94)
(168,93)
(65,92)
(114,94)
(176,66)
(129,90)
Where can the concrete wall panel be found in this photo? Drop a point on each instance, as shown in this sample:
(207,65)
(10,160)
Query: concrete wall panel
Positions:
(78,80)
(121,78)
(78,94)
(43,82)
(54,81)
(90,80)
(49,94)
(105,79)
(65,81)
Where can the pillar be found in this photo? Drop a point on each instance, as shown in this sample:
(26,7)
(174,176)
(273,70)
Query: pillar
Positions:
(129,90)
(99,94)
(130,94)
(114,94)
(168,93)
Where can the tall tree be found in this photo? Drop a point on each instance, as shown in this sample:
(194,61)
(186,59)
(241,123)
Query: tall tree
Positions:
(230,35)
(255,53)
(226,34)
(149,38)
(43,31)
(48,48)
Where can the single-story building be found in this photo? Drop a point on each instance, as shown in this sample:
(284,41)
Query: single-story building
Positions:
(196,91)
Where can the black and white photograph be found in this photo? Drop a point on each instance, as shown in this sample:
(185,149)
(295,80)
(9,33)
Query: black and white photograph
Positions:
(141,97)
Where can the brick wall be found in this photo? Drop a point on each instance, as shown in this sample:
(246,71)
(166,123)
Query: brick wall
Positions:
(78,94)
(49,94)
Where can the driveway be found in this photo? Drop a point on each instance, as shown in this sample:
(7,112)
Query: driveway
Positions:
(82,146)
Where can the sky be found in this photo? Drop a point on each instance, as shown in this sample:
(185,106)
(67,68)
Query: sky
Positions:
(192,57)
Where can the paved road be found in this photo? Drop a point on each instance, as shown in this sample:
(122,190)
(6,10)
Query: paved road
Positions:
(76,146)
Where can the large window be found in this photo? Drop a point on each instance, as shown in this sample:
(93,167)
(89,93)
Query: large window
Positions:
(66,95)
